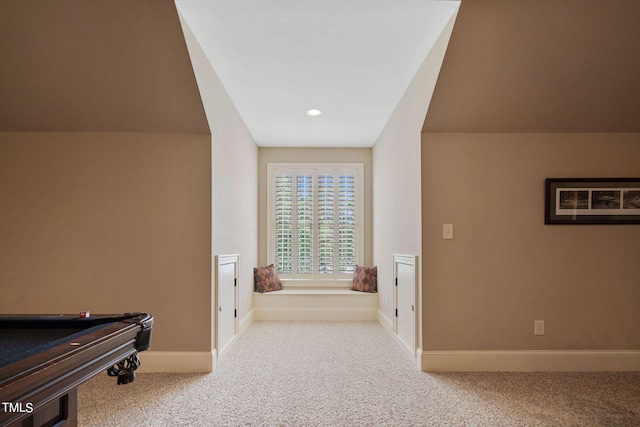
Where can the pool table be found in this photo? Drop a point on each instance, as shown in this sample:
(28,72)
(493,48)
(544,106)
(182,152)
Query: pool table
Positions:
(43,359)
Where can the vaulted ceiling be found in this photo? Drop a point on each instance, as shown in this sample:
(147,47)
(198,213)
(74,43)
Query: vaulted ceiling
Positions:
(350,60)
(511,66)
(540,66)
(96,66)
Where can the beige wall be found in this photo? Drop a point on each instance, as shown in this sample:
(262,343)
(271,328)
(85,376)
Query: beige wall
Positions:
(312,155)
(110,223)
(505,268)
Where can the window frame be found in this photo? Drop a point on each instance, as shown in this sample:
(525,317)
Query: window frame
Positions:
(315,168)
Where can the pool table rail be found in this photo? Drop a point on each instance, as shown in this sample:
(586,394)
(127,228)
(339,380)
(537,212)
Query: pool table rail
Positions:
(49,379)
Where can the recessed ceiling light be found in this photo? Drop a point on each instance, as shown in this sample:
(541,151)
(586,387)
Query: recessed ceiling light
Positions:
(314,112)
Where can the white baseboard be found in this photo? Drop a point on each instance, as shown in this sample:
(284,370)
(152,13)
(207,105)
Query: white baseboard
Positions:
(529,361)
(385,322)
(177,361)
(245,322)
(387,325)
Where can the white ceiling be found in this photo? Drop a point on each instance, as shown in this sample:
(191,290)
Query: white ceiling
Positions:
(351,59)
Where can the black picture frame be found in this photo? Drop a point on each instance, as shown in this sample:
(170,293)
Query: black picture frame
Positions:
(592,201)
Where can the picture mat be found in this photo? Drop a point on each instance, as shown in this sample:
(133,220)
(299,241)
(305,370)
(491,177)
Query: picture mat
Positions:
(623,201)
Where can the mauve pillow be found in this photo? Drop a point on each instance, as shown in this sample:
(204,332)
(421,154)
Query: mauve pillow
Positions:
(365,279)
(266,279)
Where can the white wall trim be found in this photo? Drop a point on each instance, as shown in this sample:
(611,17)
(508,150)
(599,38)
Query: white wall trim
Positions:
(412,262)
(419,360)
(315,305)
(317,291)
(293,168)
(219,262)
(386,323)
(315,315)
(177,361)
(530,360)
(246,321)
(316,284)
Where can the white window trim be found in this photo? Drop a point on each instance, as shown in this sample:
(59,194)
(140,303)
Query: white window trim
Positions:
(316,278)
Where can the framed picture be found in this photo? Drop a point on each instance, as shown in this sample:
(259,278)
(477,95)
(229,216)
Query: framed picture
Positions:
(592,201)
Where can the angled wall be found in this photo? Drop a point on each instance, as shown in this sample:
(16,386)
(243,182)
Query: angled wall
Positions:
(105,164)
(529,91)
(396,177)
(76,66)
(234,176)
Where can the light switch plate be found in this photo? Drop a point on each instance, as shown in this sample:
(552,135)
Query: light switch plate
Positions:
(538,327)
(447,231)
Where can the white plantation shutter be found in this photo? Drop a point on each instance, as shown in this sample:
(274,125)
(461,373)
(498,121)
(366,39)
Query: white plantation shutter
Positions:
(304,221)
(326,223)
(284,223)
(346,223)
(315,220)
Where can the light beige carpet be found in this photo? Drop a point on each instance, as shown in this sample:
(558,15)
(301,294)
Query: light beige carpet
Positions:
(353,374)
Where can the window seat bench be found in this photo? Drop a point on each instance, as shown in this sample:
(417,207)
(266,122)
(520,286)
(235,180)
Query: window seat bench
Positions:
(315,304)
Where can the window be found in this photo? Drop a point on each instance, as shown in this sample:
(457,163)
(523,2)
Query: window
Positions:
(315,219)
